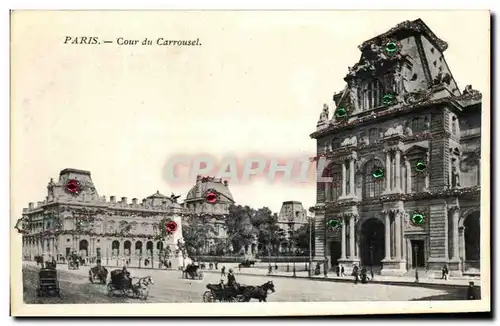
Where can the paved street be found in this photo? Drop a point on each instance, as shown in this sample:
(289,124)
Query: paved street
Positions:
(170,287)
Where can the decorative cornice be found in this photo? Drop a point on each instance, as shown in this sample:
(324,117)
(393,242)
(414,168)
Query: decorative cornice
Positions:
(393,111)
(474,191)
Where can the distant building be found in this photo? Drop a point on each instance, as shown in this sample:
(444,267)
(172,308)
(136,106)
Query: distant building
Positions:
(214,212)
(74,218)
(291,217)
(403,149)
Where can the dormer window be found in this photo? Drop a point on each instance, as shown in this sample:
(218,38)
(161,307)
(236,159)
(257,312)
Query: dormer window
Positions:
(370,94)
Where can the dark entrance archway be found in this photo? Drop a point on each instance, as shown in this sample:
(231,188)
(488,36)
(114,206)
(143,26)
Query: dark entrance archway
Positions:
(335,252)
(472,235)
(115,245)
(372,242)
(138,247)
(83,247)
(149,247)
(127,246)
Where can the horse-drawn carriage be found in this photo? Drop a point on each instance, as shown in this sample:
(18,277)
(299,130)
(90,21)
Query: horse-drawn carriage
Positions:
(238,293)
(192,271)
(74,262)
(246,263)
(98,273)
(121,283)
(48,283)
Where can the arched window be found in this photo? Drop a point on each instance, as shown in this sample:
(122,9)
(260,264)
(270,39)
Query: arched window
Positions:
(417,178)
(372,187)
(334,189)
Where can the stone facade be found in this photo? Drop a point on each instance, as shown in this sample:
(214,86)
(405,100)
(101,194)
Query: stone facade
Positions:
(84,222)
(212,213)
(402,107)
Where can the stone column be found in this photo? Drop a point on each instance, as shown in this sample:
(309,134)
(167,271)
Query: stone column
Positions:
(408,175)
(344,179)
(351,237)
(455,216)
(344,239)
(398,170)
(397,220)
(351,172)
(387,171)
(387,236)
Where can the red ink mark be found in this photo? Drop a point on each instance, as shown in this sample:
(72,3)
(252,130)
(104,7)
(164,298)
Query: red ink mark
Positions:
(171,226)
(72,186)
(211,197)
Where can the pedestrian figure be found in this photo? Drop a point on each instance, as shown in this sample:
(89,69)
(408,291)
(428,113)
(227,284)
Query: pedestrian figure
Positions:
(364,276)
(472,292)
(444,272)
(210,265)
(270,270)
(275,266)
(337,270)
(342,271)
(355,273)
(371,272)
(223,271)
(216,265)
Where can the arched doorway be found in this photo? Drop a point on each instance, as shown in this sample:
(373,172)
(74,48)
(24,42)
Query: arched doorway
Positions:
(138,248)
(115,247)
(472,236)
(83,248)
(127,246)
(372,242)
(149,247)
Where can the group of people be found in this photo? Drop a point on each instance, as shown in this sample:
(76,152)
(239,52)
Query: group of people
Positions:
(360,274)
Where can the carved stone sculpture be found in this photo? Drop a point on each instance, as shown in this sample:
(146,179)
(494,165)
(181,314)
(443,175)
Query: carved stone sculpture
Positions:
(396,129)
(324,114)
(349,141)
(407,130)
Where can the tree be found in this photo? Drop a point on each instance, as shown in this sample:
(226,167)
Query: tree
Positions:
(240,228)
(196,232)
(301,238)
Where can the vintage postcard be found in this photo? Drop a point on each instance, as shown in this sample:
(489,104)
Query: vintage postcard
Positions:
(249,163)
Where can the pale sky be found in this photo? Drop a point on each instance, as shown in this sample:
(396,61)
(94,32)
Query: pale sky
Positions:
(256,85)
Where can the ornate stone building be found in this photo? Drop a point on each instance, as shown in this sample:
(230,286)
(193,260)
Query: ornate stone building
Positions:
(74,218)
(208,201)
(401,154)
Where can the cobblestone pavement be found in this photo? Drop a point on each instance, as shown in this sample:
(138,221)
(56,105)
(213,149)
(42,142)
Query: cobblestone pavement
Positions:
(170,287)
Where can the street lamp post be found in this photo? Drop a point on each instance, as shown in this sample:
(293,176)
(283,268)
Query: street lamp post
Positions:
(309,270)
(415,248)
(371,260)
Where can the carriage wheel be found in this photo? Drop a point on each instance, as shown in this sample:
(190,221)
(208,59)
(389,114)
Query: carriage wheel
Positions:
(208,297)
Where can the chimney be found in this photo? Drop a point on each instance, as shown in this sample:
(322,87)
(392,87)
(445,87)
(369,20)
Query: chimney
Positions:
(31,206)
(134,201)
(39,204)
(25,210)
(124,200)
(112,199)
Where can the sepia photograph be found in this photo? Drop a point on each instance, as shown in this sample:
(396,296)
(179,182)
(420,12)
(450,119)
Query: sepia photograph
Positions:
(249,163)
